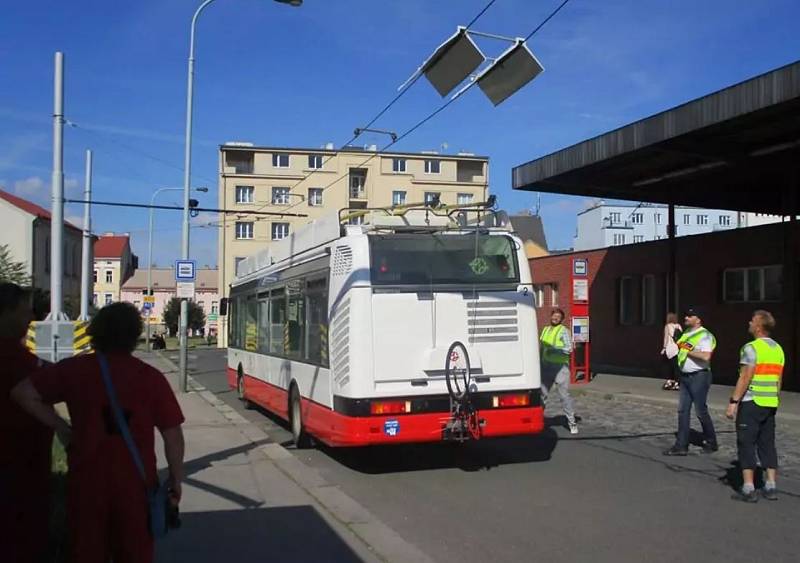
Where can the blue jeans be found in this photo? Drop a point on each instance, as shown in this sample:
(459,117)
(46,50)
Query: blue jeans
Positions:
(694,389)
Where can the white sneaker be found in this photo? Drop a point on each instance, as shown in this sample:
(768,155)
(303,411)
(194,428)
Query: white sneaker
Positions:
(573,428)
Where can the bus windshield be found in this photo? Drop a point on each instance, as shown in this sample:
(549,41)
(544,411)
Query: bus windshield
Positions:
(415,259)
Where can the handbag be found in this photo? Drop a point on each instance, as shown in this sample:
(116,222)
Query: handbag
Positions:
(158,496)
(671,349)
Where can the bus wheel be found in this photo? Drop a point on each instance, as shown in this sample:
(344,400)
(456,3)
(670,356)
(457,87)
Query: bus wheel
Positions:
(240,391)
(299,435)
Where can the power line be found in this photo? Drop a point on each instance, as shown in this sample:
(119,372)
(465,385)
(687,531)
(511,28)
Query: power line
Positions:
(547,19)
(180,208)
(403,90)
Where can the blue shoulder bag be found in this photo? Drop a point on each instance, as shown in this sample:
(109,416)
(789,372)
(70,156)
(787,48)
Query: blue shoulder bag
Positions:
(158,497)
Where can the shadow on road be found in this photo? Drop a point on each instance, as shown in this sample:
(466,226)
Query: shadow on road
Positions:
(290,533)
(469,456)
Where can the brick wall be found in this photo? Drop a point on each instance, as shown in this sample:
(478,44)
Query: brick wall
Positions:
(634,348)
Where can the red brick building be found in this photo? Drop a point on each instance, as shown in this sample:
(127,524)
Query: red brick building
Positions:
(729,273)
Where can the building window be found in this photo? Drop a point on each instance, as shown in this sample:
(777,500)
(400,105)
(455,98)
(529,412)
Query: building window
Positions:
(95,276)
(94,299)
(553,294)
(648,300)
(240,161)
(725,220)
(109,276)
(214,307)
(686,219)
(280,196)
(762,283)
(657,218)
(398,197)
(244,230)
(430,197)
(637,218)
(280,231)
(280,160)
(314,161)
(626,300)
(315,197)
(398,165)
(614,217)
(464,199)
(619,238)
(638,238)
(236,261)
(432,167)
(109,298)
(538,296)
(244,194)
(702,219)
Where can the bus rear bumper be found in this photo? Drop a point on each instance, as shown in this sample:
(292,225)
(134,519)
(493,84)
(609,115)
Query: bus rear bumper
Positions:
(336,429)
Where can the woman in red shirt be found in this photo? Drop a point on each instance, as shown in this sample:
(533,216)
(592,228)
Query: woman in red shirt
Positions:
(106,498)
(24,441)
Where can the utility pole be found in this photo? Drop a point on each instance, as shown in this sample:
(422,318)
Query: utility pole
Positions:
(86,251)
(57,209)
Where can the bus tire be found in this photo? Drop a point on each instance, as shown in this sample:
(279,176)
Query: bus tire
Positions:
(240,390)
(299,435)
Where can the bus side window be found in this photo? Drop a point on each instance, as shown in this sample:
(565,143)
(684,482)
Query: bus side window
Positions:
(295,320)
(251,327)
(277,311)
(317,322)
(263,324)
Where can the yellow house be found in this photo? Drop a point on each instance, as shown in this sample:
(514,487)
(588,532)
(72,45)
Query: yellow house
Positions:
(530,229)
(318,182)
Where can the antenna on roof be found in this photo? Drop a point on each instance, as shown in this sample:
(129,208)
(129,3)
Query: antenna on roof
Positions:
(538,203)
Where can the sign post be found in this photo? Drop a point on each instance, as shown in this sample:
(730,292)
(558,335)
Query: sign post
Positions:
(579,365)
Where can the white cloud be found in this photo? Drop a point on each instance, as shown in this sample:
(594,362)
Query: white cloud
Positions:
(33,188)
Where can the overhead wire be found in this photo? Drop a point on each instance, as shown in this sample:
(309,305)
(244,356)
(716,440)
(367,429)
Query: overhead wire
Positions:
(405,88)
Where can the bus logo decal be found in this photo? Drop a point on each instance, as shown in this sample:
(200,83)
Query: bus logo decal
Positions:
(391,427)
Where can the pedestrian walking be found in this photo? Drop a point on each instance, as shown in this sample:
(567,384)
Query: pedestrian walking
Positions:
(695,349)
(669,353)
(107,510)
(556,347)
(754,403)
(25,443)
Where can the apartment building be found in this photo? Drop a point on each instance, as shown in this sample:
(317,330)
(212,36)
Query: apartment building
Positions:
(114,263)
(605,225)
(318,182)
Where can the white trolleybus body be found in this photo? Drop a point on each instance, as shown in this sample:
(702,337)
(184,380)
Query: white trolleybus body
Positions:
(353,332)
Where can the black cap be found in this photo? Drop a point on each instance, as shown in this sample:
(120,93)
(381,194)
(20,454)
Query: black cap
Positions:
(695,312)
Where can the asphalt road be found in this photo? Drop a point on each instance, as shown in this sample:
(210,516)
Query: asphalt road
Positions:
(599,496)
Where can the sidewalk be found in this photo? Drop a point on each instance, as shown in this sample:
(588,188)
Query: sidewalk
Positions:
(649,390)
(248,499)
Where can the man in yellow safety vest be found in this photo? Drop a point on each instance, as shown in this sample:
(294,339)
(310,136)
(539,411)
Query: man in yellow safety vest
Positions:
(754,403)
(556,346)
(695,348)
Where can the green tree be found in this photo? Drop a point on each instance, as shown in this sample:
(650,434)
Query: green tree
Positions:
(172,315)
(11,271)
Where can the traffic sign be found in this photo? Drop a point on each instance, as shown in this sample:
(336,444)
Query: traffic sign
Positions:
(185,270)
(147,305)
(149,299)
(185,290)
(580,266)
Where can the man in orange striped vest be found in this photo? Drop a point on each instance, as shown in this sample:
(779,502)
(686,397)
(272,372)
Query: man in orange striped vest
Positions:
(754,403)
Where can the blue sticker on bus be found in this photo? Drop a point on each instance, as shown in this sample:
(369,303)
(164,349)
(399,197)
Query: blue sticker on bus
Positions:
(391,427)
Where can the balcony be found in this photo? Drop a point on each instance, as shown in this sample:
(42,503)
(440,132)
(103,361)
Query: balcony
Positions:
(358,184)
(618,224)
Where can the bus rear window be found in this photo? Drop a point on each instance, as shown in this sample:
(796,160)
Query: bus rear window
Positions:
(417,259)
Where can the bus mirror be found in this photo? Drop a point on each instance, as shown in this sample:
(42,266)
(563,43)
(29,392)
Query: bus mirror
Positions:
(223,306)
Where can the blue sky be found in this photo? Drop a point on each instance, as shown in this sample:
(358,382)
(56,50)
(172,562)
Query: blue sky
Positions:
(276,75)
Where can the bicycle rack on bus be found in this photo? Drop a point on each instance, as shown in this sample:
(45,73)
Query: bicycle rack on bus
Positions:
(464,423)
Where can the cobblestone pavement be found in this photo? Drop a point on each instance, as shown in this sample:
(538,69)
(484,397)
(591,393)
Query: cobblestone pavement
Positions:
(654,424)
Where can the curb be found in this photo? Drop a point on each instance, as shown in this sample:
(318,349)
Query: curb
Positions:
(377,537)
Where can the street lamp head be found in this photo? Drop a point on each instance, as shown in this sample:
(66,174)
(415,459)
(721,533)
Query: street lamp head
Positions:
(293,3)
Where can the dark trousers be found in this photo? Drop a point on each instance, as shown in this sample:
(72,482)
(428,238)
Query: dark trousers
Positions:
(694,390)
(755,430)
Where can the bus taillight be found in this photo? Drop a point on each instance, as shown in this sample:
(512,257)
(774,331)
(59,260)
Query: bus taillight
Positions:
(515,400)
(390,407)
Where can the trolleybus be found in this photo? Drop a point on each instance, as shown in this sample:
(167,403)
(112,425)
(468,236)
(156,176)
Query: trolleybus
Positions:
(414,325)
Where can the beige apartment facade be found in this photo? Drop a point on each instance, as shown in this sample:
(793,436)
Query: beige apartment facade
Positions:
(317,182)
(114,263)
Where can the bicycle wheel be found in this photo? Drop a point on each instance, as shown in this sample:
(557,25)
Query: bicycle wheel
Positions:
(457,371)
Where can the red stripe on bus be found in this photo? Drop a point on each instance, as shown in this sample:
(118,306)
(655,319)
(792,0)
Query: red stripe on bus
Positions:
(263,394)
(336,429)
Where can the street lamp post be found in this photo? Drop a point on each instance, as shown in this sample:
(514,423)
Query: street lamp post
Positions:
(150,253)
(187,176)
